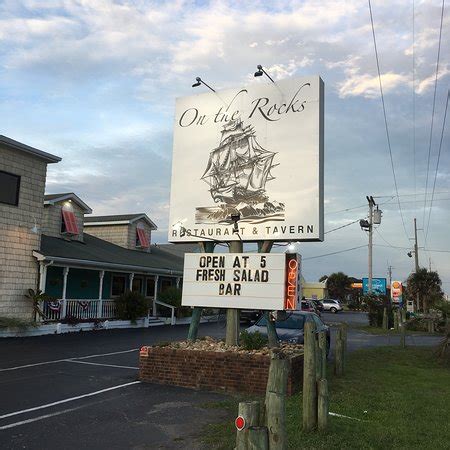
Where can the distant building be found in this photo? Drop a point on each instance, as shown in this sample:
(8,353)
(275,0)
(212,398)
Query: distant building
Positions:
(316,290)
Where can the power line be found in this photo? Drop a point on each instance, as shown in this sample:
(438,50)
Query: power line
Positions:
(335,253)
(433,110)
(385,121)
(342,226)
(437,166)
(347,209)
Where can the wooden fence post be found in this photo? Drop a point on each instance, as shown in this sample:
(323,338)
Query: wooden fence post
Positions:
(385,324)
(309,379)
(323,344)
(275,405)
(322,404)
(251,412)
(339,354)
(258,438)
(403,334)
(396,320)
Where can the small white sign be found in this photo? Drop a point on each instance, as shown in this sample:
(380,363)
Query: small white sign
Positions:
(237,280)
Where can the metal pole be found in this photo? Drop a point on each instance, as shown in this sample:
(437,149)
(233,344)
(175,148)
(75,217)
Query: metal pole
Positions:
(370,243)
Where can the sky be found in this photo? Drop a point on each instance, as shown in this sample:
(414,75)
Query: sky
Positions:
(95,82)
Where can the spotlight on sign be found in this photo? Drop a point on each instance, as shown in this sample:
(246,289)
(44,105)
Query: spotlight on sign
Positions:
(260,72)
(199,81)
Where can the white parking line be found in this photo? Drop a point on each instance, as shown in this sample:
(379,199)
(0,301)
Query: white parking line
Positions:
(98,364)
(66,400)
(46,416)
(67,359)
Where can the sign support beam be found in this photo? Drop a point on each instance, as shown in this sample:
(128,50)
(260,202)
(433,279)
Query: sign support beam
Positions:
(205,247)
(232,330)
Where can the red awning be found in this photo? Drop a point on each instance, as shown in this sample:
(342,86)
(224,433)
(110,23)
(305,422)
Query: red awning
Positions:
(143,239)
(70,222)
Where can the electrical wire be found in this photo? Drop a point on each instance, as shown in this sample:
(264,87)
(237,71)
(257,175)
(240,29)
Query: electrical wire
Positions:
(433,110)
(342,226)
(385,121)
(335,253)
(437,167)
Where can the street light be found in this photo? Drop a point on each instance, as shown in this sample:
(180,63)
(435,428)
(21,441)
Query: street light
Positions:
(260,72)
(199,81)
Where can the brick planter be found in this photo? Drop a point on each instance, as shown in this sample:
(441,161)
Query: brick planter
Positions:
(215,371)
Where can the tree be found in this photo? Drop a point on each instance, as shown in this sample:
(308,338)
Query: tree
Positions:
(338,285)
(427,285)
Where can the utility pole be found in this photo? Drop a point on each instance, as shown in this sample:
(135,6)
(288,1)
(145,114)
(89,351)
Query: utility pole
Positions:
(390,275)
(416,258)
(371,205)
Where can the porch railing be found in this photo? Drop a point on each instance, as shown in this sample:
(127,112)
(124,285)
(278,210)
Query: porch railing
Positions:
(79,308)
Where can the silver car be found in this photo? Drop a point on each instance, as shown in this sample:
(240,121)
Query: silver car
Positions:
(331,305)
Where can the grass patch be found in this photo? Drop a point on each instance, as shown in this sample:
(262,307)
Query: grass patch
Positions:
(405,392)
(13,322)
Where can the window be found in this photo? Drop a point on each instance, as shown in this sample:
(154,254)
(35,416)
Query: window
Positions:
(69,222)
(150,287)
(137,285)
(141,238)
(118,286)
(292,322)
(9,188)
(166,283)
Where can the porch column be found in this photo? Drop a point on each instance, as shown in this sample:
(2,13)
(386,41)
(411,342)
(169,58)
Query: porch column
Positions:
(155,295)
(178,283)
(42,276)
(64,291)
(101,274)
(131,281)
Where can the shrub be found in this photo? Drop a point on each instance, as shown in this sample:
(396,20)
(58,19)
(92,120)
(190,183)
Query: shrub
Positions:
(172,296)
(13,322)
(252,341)
(375,307)
(131,306)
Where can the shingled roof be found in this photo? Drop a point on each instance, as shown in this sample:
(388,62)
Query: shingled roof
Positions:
(95,252)
(118,218)
(16,145)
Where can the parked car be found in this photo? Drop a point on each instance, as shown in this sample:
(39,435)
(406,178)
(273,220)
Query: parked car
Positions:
(318,304)
(308,305)
(291,328)
(331,305)
(249,315)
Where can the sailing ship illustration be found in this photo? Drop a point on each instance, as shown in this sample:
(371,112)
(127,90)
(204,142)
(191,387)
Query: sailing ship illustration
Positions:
(237,173)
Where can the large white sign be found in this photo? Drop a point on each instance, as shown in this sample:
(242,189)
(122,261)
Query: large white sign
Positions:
(256,152)
(241,280)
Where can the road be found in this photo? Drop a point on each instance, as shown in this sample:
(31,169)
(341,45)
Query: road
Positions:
(358,339)
(80,391)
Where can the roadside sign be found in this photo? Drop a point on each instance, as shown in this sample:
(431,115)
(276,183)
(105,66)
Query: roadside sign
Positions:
(262,281)
(378,286)
(397,292)
(256,151)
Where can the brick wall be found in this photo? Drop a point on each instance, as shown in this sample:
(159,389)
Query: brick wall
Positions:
(18,267)
(52,217)
(227,371)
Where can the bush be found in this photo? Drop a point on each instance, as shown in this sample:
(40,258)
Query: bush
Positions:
(252,341)
(131,306)
(13,322)
(375,307)
(172,296)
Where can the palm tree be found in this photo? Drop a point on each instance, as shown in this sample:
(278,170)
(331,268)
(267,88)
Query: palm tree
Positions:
(338,285)
(425,285)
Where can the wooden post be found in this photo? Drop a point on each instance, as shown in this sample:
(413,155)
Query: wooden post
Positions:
(266,247)
(339,354)
(232,329)
(403,334)
(344,330)
(205,247)
(251,412)
(323,348)
(318,353)
(385,319)
(275,404)
(322,404)
(396,320)
(309,379)
(258,438)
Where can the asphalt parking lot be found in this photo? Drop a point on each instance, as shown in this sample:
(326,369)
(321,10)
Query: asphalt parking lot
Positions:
(80,391)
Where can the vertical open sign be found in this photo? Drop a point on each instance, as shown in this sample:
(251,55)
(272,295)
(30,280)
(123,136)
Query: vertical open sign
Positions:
(292,289)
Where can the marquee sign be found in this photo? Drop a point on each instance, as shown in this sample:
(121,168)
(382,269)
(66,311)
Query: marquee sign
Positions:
(266,281)
(256,152)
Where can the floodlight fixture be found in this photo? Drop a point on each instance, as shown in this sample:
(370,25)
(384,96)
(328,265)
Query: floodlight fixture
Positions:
(260,72)
(199,81)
